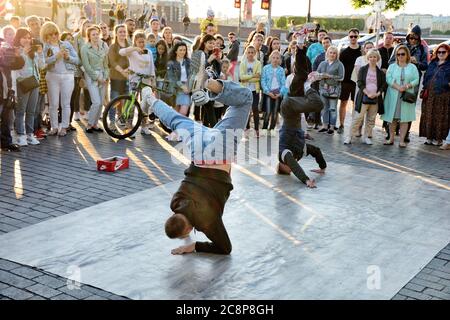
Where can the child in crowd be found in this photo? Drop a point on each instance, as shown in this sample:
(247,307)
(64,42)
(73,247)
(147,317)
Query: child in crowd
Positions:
(151,45)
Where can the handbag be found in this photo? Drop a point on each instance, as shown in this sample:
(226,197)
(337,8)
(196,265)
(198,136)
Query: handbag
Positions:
(409,97)
(10,101)
(367,100)
(424,94)
(28,84)
(330,92)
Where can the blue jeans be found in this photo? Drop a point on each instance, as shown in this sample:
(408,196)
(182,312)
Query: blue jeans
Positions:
(25,111)
(212,145)
(447,140)
(329,112)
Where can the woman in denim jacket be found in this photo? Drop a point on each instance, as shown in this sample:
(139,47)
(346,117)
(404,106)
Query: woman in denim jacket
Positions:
(27,101)
(178,71)
(61,63)
(273,81)
(94,56)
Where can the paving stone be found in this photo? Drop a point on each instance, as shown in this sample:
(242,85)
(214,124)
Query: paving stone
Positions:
(50,281)
(77,293)
(438,294)
(415,287)
(399,297)
(444,256)
(26,272)
(42,290)
(8,265)
(14,280)
(427,284)
(15,293)
(94,297)
(63,296)
(413,294)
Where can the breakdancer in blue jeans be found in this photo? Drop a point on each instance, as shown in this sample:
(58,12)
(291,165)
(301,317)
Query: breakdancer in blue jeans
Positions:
(201,198)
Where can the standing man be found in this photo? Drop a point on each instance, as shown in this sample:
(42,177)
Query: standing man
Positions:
(55,6)
(233,52)
(131,27)
(316,48)
(348,57)
(89,11)
(186,22)
(154,28)
(15,22)
(386,52)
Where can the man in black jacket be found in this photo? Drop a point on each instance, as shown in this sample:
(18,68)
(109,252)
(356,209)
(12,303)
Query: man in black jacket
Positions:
(201,198)
(233,51)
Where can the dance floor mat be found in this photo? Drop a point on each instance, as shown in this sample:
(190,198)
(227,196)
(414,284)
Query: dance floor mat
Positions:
(362,234)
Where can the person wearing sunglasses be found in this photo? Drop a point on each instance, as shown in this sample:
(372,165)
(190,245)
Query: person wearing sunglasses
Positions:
(401,77)
(106,34)
(418,57)
(348,58)
(435,119)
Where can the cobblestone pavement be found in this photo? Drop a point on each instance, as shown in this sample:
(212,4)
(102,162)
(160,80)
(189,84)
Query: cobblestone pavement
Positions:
(60,176)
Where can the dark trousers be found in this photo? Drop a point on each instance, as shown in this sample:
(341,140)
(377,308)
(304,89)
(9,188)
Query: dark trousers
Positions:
(75,99)
(209,115)
(255,111)
(271,114)
(5,130)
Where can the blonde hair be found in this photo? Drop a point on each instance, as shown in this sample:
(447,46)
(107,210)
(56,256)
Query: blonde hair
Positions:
(89,30)
(374,52)
(333,48)
(138,34)
(408,54)
(47,29)
(274,53)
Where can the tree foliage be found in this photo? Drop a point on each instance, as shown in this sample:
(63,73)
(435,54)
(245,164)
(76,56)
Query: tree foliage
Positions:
(390,4)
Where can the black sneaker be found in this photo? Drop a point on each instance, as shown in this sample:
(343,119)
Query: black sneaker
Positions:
(340,130)
(98,129)
(330,131)
(90,130)
(12,148)
(198,75)
(323,130)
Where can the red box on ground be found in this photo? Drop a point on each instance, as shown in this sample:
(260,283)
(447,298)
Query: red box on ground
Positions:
(113,164)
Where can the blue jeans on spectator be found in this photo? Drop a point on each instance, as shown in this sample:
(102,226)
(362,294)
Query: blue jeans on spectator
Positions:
(234,95)
(27,104)
(329,111)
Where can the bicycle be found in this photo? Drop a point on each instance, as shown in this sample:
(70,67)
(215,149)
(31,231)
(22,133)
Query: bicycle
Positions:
(123,115)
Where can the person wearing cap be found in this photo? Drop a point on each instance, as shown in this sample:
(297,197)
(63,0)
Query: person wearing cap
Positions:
(209,19)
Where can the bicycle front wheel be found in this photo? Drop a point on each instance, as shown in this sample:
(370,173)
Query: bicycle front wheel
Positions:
(122,117)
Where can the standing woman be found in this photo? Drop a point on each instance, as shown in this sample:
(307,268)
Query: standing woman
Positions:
(206,57)
(369,99)
(78,43)
(94,56)
(402,77)
(26,85)
(273,82)
(141,62)
(118,66)
(250,75)
(332,71)
(178,71)
(435,118)
(168,36)
(61,61)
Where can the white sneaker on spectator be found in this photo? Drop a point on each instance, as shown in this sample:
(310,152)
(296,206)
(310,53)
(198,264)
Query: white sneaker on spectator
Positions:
(31,139)
(368,141)
(76,116)
(348,140)
(22,140)
(264,132)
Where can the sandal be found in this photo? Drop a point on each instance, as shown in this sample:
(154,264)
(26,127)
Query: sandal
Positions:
(402,145)
(388,143)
